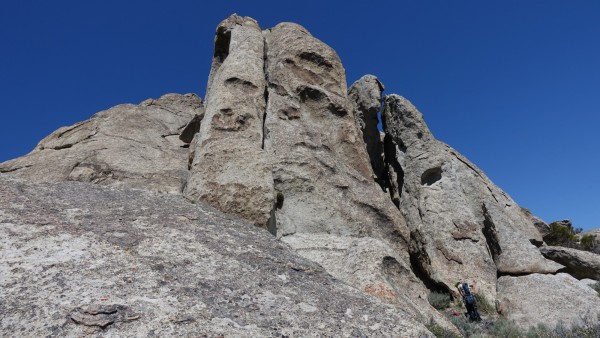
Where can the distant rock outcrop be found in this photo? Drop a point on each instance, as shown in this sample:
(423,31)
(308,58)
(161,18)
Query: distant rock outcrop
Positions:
(131,145)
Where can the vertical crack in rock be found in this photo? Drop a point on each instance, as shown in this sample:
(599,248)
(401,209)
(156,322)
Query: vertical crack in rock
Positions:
(365,95)
(419,261)
(266,93)
(395,173)
(490,234)
(278,201)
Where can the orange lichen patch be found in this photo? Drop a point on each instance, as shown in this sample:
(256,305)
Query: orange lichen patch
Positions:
(380,291)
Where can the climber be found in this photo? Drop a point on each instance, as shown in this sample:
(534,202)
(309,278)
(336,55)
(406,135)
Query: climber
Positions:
(468,295)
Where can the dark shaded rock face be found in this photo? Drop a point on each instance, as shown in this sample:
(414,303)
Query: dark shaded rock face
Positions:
(79,259)
(282,143)
(579,264)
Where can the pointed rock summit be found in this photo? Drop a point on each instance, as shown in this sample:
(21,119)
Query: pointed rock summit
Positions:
(357,223)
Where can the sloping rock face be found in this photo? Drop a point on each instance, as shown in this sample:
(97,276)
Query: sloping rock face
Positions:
(542,227)
(79,259)
(463,227)
(579,264)
(547,299)
(230,170)
(131,145)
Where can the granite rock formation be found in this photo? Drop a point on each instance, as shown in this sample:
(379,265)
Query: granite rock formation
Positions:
(463,227)
(547,299)
(579,264)
(229,168)
(82,260)
(361,222)
(131,145)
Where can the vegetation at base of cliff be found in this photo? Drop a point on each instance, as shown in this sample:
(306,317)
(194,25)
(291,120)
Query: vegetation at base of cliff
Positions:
(509,329)
(493,325)
(439,300)
(561,234)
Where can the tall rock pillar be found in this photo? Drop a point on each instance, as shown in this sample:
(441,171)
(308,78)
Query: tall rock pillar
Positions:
(230,170)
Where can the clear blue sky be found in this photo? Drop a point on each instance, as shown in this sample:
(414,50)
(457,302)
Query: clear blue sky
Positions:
(513,85)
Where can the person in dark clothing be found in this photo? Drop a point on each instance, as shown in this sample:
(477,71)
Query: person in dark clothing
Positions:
(468,295)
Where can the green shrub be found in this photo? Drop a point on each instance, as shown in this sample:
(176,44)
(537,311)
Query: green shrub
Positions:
(483,306)
(440,332)
(561,235)
(589,243)
(506,328)
(465,326)
(439,300)
(539,331)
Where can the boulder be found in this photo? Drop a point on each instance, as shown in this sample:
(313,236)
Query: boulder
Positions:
(579,264)
(229,169)
(547,299)
(80,259)
(463,227)
(130,145)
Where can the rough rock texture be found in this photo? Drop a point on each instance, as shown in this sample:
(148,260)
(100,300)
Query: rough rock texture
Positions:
(131,145)
(547,299)
(579,264)
(593,232)
(320,166)
(328,205)
(365,97)
(281,142)
(79,259)
(463,227)
(539,223)
(230,170)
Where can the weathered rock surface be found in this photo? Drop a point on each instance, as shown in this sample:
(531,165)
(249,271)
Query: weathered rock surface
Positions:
(320,165)
(463,227)
(328,204)
(281,142)
(539,223)
(547,299)
(130,145)
(79,259)
(230,170)
(365,96)
(579,264)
